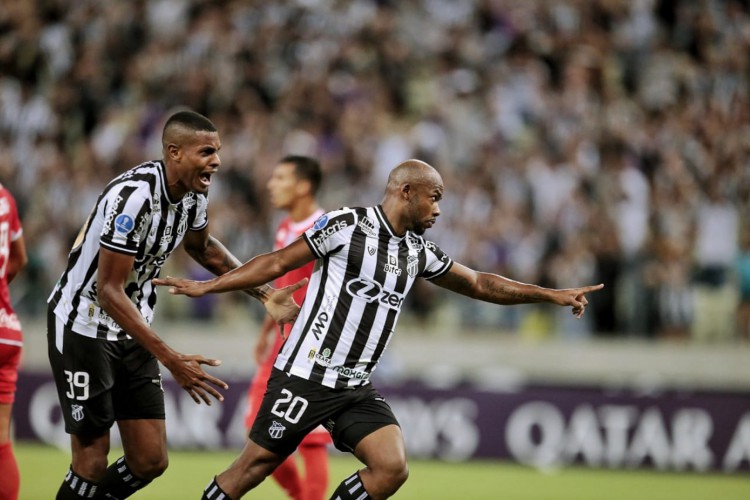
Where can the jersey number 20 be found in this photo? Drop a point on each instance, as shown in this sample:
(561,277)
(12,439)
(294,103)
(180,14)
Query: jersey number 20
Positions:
(289,407)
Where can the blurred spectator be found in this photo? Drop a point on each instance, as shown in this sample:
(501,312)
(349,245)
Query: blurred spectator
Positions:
(743,276)
(716,249)
(587,129)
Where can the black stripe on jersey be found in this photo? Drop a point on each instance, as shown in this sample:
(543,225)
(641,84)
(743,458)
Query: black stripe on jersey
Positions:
(370,310)
(390,321)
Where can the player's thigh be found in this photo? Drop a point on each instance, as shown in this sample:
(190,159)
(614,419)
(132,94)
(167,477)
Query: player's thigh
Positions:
(10,358)
(137,393)
(363,416)
(5,411)
(382,449)
(84,375)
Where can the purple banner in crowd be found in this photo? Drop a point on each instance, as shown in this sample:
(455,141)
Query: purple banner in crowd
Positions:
(542,426)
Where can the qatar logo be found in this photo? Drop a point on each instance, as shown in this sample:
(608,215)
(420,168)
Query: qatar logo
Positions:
(124,224)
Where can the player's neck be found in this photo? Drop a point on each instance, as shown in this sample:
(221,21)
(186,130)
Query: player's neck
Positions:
(302,209)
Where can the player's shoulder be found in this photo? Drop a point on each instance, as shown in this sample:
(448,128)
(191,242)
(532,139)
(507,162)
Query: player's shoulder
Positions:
(7,202)
(145,171)
(140,181)
(420,243)
(5,193)
(340,217)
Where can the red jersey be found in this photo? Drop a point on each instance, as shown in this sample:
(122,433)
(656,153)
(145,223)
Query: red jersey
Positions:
(286,233)
(10,230)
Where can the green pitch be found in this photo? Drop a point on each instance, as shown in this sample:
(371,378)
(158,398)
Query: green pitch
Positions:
(43,467)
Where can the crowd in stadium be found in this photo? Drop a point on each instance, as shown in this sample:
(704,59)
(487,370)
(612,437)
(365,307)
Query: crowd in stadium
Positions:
(580,141)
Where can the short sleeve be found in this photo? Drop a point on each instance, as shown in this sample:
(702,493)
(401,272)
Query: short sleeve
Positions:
(330,232)
(201,213)
(437,262)
(127,212)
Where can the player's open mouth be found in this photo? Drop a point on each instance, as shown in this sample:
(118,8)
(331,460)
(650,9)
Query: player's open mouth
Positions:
(205,179)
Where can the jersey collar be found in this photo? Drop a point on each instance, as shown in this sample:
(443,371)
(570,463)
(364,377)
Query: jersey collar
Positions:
(164,185)
(386,223)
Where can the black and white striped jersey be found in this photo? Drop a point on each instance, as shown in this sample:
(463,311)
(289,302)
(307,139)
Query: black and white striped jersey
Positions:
(355,294)
(134,215)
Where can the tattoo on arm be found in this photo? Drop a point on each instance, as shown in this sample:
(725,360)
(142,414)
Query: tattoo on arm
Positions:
(501,290)
(459,284)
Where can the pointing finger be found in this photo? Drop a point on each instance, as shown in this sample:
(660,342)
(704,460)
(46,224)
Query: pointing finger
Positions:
(592,288)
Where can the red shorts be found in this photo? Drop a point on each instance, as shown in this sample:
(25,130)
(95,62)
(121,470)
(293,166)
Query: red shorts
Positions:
(10,359)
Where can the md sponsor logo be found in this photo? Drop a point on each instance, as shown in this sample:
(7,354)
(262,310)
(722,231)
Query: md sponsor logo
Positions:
(320,324)
(371,291)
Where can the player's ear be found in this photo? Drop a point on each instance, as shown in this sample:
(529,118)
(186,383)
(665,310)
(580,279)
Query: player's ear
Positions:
(174,151)
(406,191)
(304,187)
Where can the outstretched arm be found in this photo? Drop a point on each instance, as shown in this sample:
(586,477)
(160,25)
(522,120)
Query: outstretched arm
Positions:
(500,290)
(258,270)
(214,256)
